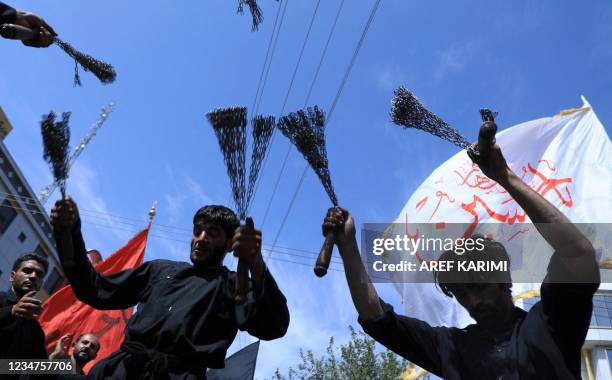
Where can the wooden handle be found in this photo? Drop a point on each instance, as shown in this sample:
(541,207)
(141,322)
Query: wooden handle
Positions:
(486,134)
(242,282)
(324,258)
(242,277)
(17,32)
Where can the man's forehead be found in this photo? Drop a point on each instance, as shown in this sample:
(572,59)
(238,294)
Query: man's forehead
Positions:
(89,337)
(31,264)
(202,222)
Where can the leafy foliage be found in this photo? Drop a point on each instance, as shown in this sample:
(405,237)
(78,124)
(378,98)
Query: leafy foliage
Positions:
(357,360)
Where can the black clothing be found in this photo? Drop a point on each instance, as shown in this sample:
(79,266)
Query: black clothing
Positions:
(7,14)
(19,338)
(543,343)
(186,319)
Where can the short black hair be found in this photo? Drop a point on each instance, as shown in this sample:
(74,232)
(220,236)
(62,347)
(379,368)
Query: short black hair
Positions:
(493,251)
(221,216)
(31,256)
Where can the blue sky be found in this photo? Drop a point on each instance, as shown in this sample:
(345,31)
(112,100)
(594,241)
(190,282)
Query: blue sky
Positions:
(178,60)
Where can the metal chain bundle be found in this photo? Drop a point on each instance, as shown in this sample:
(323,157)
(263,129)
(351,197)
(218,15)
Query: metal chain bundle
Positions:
(56,138)
(102,70)
(255,12)
(306,131)
(229,125)
(263,126)
(409,112)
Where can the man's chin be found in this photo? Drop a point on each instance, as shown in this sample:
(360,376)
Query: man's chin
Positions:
(205,259)
(82,357)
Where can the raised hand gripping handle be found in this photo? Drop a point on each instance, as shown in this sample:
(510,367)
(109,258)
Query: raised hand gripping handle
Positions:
(486,134)
(17,32)
(324,258)
(242,276)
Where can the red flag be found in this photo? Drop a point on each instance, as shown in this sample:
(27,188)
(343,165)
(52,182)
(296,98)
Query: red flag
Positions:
(63,313)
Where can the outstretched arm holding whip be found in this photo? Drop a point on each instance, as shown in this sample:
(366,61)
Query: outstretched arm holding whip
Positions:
(306,131)
(230,125)
(34,31)
(410,113)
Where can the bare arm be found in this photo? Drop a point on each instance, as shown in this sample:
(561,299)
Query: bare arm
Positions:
(570,245)
(363,293)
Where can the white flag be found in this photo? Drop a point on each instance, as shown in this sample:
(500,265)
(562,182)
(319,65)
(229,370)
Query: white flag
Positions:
(566,158)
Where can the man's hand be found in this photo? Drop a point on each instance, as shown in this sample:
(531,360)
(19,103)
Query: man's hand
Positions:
(61,347)
(341,222)
(46,34)
(28,307)
(64,215)
(493,165)
(246,245)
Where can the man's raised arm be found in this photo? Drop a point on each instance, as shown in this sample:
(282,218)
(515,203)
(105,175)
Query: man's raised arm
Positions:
(115,291)
(363,293)
(573,250)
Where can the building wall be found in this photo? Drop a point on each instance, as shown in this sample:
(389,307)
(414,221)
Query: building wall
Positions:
(29,230)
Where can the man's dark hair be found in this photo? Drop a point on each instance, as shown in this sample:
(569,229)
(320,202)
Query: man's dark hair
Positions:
(31,256)
(221,216)
(493,252)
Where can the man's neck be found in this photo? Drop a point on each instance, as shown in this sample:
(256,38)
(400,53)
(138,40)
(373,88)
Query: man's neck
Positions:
(501,321)
(18,294)
(76,365)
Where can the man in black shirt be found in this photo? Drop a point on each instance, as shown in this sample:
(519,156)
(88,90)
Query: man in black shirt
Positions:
(20,334)
(187,317)
(84,349)
(46,34)
(506,342)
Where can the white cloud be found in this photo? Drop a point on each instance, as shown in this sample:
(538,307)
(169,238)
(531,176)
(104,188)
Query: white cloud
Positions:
(97,223)
(454,59)
(390,77)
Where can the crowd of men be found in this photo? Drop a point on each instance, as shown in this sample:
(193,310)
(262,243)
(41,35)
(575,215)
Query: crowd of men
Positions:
(188,315)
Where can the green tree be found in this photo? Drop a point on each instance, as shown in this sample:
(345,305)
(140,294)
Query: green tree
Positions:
(357,360)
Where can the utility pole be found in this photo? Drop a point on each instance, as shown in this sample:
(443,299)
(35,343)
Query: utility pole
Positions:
(104,113)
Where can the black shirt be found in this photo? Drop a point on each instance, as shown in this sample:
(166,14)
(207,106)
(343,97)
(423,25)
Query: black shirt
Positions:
(543,343)
(7,14)
(188,314)
(19,338)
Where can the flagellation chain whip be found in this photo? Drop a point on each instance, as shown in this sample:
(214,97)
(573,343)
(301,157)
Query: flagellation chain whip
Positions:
(56,139)
(105,72)
(256,13)
(306,131)
(408,111)
(229,125)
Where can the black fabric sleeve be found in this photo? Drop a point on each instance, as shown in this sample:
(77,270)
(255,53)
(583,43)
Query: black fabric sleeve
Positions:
(568,305)
(40,351)
(265,314)
(410,338)
(6,316)
(105,292)
(7,14)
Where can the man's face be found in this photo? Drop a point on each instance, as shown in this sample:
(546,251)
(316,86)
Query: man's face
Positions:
(486,303)
(208,244)
(86,348)
(29,276)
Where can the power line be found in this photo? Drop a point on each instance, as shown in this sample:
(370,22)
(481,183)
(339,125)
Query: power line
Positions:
(330,113)
(312,83)
(265,80)
(266,248)
(263,68)
(293,76)
(168,235)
